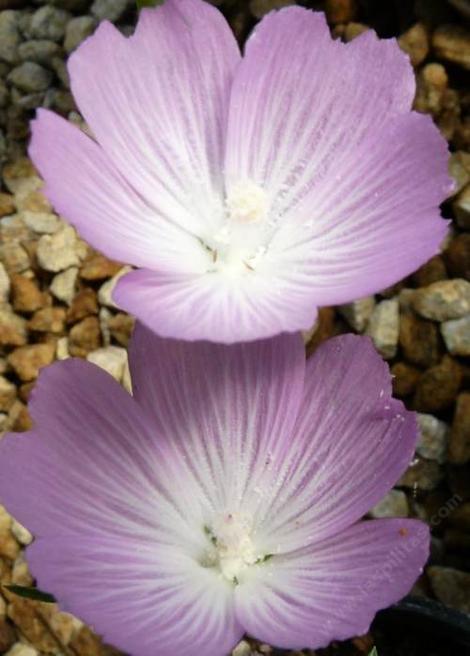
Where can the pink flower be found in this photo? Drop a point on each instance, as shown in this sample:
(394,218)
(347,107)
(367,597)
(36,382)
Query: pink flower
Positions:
(246,191)
(224,497)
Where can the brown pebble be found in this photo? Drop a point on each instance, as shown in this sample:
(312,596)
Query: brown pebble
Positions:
(7,394)
(83,305)
(324,328)
(26,361)
(415,42)
(25,390)
(340,11)
(12,328)
(85,337)
(23,421)
(7,205)
(419,340)
(438,386)
(459,443)
(452,43)
(120,327)
(7,635)
(432,83)
(97,267)
(457,256)
(432,271)
(405,379)
(49,319)
(26,295)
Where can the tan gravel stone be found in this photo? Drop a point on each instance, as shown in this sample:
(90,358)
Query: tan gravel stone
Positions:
(14,257)
(84,337)
(59,251)
(7,394)
(49,319)
(452,43)
(415,42)
(98,267)
(25,293)
(63,285)
(12,328)
(384,326)
(444,300)
(28,360)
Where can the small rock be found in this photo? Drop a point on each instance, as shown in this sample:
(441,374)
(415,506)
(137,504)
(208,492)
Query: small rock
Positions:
(394,504)
(457,256)
(62,349)
(432,438)
(383,328)
(422,475)
(7,635)
(30,77)
(19,418)
(404,379)
(10,36)
(459,169)
(452,43)
(49,23)
(83,305)
(48,320)
(459,443)
(43,223)
(26,295)
(28,360)
(21,178)
(456,334)
(432,82)
(415,42)
(7,206)
(97,267)
(20,649)
(7,394)
(112,359)
(78,29)
(106,290)
(120,327)
(12,328)
(14,257)
(444,300)
(242,649)
(104,316)
(451,587)
(39,51)
(4,285)
(419,340)
(461,207)
(432,271)
(84,337)
(340,11)
(438,386)
(111,10)
(21,533)
(358,313)
(59,251)
(63,285)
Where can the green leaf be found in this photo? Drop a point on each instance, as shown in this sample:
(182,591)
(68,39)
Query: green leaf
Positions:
(31,593)
(374,652)
(148,3)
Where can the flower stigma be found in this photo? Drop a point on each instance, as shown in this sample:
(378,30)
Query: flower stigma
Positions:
(247,202)
(231,549)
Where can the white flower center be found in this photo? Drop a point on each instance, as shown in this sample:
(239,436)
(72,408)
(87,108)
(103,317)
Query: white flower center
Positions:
(232,549)
(240,243)
(247,202)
